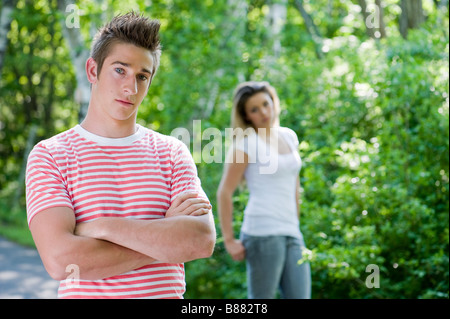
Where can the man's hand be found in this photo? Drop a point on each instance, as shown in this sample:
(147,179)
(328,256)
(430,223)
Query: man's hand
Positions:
(187,232)
(185,204)
(189,204)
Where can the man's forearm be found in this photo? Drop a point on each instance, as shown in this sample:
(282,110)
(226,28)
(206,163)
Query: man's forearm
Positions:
(58,246)
(98,259)
(175,239)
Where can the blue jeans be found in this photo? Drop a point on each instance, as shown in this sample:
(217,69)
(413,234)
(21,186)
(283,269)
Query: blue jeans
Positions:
(272,264)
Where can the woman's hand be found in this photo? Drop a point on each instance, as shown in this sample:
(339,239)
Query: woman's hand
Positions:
(236,249)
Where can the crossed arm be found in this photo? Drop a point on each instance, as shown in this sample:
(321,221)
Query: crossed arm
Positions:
(111,246)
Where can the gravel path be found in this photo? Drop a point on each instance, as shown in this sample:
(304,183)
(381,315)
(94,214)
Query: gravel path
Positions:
(22,275)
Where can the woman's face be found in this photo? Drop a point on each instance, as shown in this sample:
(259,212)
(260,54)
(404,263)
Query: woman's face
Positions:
(259,110)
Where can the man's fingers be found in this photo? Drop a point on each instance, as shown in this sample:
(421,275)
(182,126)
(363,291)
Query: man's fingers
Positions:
(192,203)
(189,204)
(183,197)
(198,210)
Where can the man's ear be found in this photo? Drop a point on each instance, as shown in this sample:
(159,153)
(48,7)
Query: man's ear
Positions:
(91,70)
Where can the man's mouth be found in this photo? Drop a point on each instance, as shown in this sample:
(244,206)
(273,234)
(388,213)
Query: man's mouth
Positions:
(124,102)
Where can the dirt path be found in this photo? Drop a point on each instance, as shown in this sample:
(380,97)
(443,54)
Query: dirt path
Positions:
(22,275)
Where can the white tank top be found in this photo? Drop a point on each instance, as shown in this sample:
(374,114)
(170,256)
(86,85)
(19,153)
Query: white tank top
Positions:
(271,179)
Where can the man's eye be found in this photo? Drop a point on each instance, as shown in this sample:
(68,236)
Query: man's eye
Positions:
(119,70)
(142,77)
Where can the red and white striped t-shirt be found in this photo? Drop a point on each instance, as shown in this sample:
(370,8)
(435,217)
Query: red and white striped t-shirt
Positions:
(133,177)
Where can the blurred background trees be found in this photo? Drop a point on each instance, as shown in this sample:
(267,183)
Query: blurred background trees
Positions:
(364,83)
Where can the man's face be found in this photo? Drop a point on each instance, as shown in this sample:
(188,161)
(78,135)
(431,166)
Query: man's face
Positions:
(123,83)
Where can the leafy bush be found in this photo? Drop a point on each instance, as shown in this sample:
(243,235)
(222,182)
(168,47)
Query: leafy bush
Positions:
(373,123)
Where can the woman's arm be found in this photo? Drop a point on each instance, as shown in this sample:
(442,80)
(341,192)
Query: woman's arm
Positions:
(233,174)
(297,197)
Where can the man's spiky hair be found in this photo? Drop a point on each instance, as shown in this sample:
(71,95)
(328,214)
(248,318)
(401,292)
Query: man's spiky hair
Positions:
(130,28)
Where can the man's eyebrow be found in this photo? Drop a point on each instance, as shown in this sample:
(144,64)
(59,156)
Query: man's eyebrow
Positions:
(128,65)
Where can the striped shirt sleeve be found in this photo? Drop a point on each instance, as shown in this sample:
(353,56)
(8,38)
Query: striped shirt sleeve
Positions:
(45,186)
(184,178)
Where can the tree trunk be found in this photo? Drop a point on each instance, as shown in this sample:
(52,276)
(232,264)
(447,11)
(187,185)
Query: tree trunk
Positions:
(442,4)
(366,16)
(277,18)
(274,23)
(312,29)
(373,19)
(31,139)
(411,17)
(79,54)
(382,26)
(233,32)
(5,26)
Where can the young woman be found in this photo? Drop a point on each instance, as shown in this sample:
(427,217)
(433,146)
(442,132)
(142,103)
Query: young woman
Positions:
(266,155)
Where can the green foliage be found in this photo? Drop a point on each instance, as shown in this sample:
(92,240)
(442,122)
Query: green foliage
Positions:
(372,117)
(375,173)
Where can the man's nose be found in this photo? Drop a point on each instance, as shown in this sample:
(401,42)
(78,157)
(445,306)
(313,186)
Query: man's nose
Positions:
(131,85)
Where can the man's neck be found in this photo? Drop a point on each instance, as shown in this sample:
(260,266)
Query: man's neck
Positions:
(110,129)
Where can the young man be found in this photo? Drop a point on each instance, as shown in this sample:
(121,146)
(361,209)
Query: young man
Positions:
(109,201)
